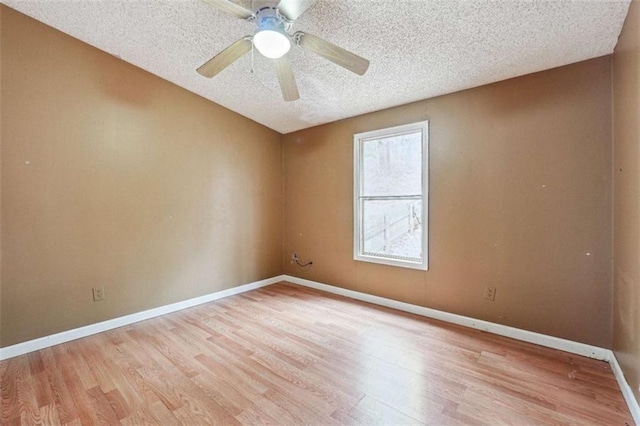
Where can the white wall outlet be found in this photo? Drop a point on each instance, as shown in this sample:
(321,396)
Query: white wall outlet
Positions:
(490,293)
(98,294)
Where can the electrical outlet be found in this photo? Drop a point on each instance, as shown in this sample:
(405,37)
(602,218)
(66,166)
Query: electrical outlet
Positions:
(490,293)
(98,294)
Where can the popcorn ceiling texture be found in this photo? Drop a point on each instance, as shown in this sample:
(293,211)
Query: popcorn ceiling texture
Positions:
(418,48)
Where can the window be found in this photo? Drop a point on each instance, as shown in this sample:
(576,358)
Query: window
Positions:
(390,196)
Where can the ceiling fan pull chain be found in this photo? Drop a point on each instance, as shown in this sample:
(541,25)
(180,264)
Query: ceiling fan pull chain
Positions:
(252,70)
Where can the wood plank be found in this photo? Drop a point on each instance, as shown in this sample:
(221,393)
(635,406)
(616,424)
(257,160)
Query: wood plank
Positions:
(370,411)
(65,406)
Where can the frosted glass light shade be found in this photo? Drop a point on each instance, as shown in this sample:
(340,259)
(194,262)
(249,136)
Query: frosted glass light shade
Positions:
(272,44)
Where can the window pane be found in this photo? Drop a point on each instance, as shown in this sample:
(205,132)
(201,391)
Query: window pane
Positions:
(392,228)
(392,166)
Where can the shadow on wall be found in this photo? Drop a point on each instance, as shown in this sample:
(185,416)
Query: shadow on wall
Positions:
(123,82)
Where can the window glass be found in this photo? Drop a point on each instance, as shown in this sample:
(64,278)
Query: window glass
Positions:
(392,166)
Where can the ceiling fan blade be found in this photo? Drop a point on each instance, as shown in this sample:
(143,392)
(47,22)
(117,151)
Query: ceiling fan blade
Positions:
(231,8)
(331,52)
(287,80)
(225,58)
(292,9)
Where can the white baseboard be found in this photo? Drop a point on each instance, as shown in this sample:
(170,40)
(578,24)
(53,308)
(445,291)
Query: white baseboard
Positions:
(627,392)
(502,330)
(499,329)
(88,330)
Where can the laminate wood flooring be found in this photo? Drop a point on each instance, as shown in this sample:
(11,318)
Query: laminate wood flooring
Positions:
(289,355)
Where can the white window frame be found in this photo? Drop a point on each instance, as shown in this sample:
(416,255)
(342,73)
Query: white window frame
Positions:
(358,140)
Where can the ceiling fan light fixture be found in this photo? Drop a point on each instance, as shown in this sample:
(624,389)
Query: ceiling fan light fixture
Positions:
(271,43)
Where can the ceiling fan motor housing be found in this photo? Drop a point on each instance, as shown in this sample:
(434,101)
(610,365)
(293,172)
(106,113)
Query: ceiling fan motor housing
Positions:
(269,18)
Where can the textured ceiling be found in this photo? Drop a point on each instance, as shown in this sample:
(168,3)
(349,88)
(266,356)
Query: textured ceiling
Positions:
(418,48)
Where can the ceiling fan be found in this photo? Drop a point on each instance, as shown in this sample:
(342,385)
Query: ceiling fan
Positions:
(272,38)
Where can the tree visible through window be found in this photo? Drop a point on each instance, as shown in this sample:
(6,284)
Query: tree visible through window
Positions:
(390,196)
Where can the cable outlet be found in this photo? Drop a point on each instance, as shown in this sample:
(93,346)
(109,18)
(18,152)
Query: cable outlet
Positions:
(295,259)
(490,293)
(98,294)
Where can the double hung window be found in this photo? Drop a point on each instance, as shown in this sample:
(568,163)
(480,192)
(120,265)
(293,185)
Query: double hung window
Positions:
(391,202)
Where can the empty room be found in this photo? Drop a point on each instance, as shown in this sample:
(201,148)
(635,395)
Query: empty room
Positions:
(323,212)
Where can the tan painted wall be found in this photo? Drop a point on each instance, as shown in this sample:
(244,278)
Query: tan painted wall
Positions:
(114,177)
(520,192)
(1,11)
(626,247)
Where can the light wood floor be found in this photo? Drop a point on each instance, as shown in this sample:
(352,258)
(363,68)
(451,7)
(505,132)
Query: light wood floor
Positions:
(289,355)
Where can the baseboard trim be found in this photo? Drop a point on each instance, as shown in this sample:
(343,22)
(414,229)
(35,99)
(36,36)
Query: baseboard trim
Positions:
(490,327)
(627,392)
(498,329)
(565,345)
(88,330)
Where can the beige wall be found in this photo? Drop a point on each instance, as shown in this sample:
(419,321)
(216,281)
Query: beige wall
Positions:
(520,192)
(1,20)
(626,248)
(113,177)
(1,12)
